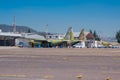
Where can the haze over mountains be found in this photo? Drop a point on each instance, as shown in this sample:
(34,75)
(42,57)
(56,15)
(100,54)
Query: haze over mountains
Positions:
(109,39)
(9,28)
(20,29)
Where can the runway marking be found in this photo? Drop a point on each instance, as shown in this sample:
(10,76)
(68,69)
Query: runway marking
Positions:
(111,72)
(12,75)
(19,56)
(48,76)
(66,59)
(79,77)
(24,76)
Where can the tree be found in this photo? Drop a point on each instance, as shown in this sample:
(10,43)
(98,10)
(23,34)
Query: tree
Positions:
(118,36)
(96,36)
(91,31)
(29,31)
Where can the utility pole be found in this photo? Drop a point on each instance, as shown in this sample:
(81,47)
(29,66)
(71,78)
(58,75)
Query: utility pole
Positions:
(14,24)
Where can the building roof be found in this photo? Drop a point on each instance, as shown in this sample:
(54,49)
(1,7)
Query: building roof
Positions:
(11,34)
(33,36)
(90,36)
(76,34)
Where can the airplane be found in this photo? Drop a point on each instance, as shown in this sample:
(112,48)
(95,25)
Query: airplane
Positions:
(67,41)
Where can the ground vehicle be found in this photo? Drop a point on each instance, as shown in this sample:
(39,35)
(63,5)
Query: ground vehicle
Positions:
(100,46)
(115,46)
(21,44)
(79,45)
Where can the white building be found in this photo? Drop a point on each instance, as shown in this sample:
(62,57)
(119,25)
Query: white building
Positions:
(55,36)
(32,36)
(61,36)
(91,44)
(77,34)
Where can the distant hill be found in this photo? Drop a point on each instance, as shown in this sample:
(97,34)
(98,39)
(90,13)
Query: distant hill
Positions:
(20,29)
(109,39)
(8,28)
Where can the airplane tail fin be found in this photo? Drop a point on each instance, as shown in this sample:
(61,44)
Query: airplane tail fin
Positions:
(82,35)
(69,35)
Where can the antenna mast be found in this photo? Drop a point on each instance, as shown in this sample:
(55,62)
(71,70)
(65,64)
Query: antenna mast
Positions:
(46,31)
(14,24)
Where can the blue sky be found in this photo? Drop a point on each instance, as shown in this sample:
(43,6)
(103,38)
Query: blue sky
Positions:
(100,15)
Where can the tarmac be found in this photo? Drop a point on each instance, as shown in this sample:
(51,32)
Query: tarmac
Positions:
(59,63)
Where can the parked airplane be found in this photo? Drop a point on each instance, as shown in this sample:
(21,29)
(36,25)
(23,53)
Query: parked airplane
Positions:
(68,40)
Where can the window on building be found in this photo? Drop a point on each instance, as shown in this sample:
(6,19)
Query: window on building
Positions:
(50,36)
(56,36)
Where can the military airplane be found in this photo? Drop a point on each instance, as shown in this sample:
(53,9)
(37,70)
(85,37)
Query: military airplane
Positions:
(67,41)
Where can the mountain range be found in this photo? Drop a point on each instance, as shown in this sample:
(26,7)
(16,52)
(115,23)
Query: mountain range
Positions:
(20,29)
(9,28)
(109,39)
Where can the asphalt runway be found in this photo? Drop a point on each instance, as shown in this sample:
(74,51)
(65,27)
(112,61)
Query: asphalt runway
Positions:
(59,64)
